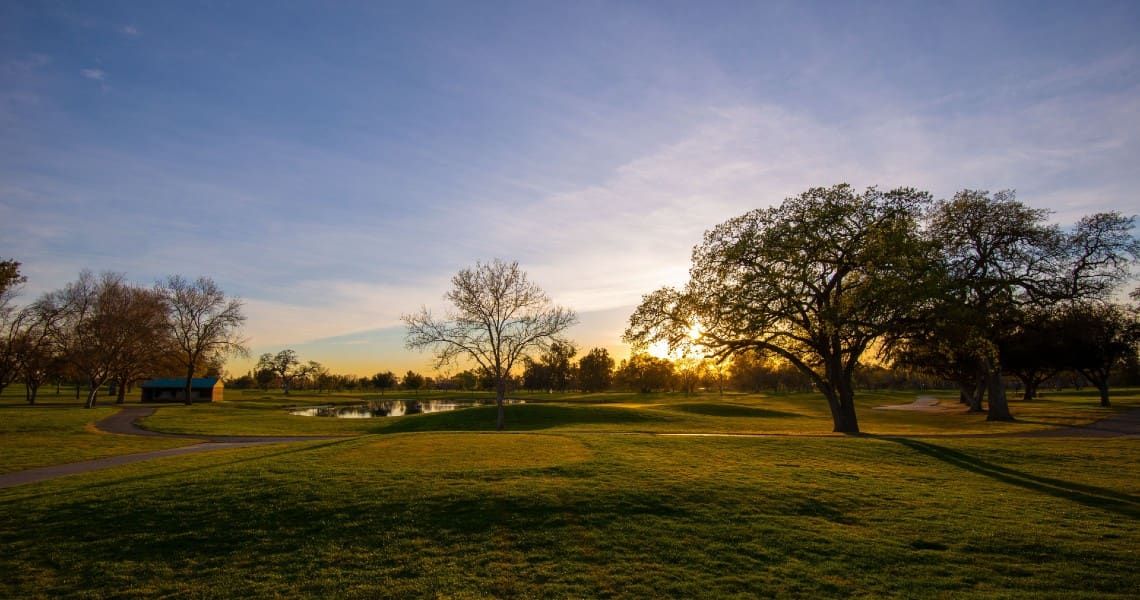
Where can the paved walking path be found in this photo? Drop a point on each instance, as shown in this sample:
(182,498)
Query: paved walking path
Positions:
(1126,424)
(126,422)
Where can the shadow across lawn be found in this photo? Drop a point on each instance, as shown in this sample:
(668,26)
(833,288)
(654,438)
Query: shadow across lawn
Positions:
(713,409)
(1098,497)
(521,417)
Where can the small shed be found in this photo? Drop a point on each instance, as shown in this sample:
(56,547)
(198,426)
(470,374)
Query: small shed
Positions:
(202,389)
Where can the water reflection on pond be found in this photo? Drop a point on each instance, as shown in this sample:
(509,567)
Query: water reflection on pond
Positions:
(391,408)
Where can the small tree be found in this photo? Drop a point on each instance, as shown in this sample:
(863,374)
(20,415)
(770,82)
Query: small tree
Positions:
(264,376)
(466,380)
(595,371)
(498,317)
(37,354)
(384,381)
(317,375)
(413,381)
(204,324)
(1098,339)
(558,358)
(646,373)
(284,365)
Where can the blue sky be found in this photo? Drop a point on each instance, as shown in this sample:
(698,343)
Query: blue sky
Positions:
(334,164)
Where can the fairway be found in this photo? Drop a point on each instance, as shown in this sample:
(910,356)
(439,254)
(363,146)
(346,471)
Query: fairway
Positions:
(575,502)
(636,300)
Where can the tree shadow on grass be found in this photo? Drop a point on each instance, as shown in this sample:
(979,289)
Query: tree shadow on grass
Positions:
(521,417)
(731,410)
(1097,497)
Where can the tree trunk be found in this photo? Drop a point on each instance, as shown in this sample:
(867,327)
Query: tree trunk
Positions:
(121,392)
(1030,389)
(977,395)
(500,394)
(33,391)
(845,421)
(1101,384)
(188,400)
(92,395)
(999,406)
(842,405)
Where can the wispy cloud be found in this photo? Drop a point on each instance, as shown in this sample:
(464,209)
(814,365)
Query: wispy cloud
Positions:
(25,64)
(596,152)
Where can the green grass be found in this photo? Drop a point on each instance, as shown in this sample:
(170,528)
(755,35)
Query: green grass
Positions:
(263,414)
(41,436)
(433,505)
(586,515)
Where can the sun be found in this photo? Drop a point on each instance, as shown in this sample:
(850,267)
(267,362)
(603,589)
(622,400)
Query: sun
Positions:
(658,350)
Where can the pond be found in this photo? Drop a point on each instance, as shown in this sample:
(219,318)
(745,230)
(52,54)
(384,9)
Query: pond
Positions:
(392,408)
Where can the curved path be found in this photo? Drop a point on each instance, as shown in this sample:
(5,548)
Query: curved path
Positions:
(1125,424)
(124,422)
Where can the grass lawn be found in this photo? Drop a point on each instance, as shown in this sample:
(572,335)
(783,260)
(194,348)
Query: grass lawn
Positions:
(588,515)
(257,413)
(428,505)
(58,430)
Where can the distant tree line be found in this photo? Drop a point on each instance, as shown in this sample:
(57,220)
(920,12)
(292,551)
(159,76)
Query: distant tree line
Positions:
(1032,364)
(101,330)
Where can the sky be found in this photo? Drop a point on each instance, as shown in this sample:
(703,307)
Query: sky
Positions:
(335,164)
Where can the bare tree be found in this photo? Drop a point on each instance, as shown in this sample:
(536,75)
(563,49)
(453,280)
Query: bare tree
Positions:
(498,317)
(100,321)
(316,374)
(148,341)
(284,365)
(36,352)
(204,324)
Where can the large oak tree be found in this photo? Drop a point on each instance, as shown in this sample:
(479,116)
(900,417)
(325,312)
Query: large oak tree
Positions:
(1003,260)
(815,281)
